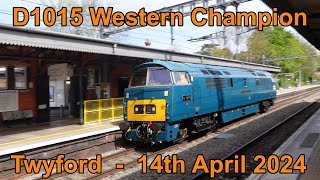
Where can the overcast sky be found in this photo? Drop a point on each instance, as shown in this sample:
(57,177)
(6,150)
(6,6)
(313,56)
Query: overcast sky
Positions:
(159,36)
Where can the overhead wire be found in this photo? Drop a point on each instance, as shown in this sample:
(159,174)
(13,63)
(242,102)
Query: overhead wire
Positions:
(159,42)
(41,4)
(158,36)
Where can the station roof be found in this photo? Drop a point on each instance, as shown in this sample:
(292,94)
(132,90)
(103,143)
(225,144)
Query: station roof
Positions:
(311,7)
(68,42)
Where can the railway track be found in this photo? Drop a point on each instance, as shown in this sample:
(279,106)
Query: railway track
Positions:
(262,143)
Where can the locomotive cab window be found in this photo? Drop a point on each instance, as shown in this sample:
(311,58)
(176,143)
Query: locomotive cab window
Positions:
(139,78)
(152,76)
(158,77)
(3,78)
(181,78)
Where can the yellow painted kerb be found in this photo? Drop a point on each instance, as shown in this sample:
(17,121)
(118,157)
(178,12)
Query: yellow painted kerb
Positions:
(160,110)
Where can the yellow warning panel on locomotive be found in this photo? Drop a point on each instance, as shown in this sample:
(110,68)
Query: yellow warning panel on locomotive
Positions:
(147,110)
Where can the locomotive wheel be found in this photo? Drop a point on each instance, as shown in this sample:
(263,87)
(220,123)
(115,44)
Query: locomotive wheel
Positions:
(215,124)
(264,106)
(182,134)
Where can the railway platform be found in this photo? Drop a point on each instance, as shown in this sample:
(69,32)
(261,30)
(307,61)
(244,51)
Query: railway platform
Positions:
(22,138)
(305,141)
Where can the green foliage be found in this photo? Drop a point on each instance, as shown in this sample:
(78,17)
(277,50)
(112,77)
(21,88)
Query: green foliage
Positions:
(273,43)
(213,50)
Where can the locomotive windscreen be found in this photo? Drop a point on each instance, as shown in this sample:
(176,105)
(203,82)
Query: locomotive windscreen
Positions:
(152,76)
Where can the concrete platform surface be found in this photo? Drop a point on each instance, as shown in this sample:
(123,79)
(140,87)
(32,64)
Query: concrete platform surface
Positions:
(290,90)
(305,141)
(22,141)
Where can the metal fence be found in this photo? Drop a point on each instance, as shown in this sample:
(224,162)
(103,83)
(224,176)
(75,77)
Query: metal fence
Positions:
(102,110)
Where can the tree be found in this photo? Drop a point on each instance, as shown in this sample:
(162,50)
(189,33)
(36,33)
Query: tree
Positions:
(213,50)
(273,43)
(86,29)
(258,47)
(276,43)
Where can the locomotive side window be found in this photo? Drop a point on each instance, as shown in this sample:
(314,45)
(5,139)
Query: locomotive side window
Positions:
(257,82)
(215,83)
(219,82)
(226,73)
(230,82)
(212,72)
(209,83)
(204,71)
(245,83)
(158,76)
(181,78)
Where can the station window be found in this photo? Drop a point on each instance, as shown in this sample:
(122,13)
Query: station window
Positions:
(3,77)
(245,83)
(230,82)
(20,78)
(91,77)
(204,72)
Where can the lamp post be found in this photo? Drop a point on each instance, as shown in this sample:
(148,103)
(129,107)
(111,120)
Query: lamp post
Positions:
(299,73)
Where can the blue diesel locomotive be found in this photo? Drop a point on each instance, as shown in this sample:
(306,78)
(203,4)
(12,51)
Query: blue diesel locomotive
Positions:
(167,101)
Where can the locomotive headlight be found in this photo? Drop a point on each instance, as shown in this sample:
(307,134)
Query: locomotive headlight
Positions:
(151,109)
(274,87)
(138,109)
(127,95)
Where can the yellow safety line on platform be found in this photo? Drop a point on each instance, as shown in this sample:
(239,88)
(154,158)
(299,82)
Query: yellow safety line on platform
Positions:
(46,136)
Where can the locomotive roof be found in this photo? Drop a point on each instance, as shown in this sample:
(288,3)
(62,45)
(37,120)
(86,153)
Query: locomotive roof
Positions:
(196,68)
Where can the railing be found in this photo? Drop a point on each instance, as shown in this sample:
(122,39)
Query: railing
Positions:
(103,110)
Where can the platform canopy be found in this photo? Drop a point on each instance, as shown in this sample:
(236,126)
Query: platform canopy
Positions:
(60,41)
(311,7)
